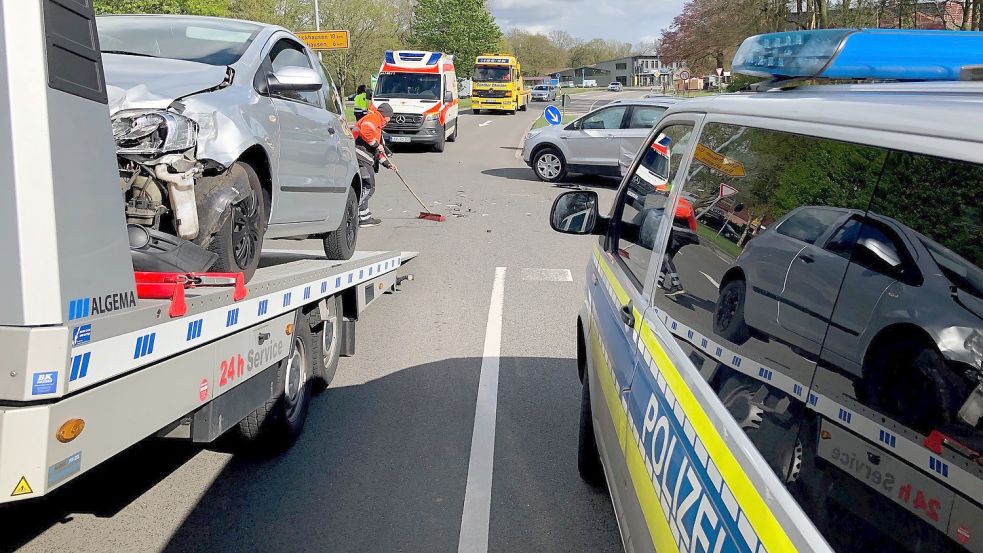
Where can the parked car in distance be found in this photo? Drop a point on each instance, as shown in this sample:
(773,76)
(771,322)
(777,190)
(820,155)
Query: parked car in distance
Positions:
(593,144)
(543,93)
(615,87)
(228,132)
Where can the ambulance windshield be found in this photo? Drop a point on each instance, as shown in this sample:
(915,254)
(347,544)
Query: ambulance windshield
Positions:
(422,86)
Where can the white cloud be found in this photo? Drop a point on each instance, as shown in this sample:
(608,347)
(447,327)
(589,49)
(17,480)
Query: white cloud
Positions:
(625,20)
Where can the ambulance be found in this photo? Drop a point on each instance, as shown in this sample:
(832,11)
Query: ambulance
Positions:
(422,89)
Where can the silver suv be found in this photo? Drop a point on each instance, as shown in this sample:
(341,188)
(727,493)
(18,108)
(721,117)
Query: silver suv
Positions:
(227,132)
(593,144)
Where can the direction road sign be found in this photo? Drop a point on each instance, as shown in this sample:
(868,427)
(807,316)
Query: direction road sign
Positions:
(325,40)
(718,162)
(552,115)
(727,190)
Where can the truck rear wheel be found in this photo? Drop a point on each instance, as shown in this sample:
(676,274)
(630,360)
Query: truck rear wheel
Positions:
(281,419)
(326,345)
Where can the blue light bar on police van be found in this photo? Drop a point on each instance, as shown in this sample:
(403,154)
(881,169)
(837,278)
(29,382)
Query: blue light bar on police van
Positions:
(887,54)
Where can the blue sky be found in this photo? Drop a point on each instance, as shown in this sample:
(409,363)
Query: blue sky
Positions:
(626,20)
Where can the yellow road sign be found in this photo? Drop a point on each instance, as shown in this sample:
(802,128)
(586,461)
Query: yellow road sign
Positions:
(718,162)
(22,488)
(325,40)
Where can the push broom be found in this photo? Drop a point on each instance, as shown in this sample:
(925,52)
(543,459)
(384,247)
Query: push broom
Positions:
(425,214)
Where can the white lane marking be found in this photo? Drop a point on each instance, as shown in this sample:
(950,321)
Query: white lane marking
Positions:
(485,124)
(714,282)
(548,275)
(477,493)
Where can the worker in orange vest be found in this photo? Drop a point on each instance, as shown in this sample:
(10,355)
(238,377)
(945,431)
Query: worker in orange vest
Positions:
(370,148)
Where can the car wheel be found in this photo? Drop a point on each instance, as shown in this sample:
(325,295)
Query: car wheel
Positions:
(588,459)
(326,343)
(239,242)
(340,244)
(475,111)
(281,419)
(453,136)
(728,317)
(909,381)
(549,165)
(524,107)
(441,139)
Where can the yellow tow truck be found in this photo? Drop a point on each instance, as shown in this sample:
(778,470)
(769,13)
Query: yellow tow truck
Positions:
(497,85)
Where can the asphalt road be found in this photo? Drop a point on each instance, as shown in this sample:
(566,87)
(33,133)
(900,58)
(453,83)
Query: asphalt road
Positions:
(383,462)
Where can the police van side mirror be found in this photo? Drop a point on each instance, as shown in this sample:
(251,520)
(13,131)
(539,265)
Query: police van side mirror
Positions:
(576,213)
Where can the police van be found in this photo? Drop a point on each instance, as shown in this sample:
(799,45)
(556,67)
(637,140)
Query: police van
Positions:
(811,379)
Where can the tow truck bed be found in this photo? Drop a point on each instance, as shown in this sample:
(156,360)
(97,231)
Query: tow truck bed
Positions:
(132,374)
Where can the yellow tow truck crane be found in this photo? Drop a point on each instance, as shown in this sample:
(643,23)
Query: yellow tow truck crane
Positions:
(497,85)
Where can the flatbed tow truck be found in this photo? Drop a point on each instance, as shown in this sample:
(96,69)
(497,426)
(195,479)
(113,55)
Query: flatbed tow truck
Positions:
(91,364)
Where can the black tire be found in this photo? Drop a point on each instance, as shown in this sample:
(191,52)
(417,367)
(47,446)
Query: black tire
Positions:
(475,111)
(728,317)
(453,136)
(281,419)
(547,170)
(340,244)
(438,146)
(524,107)
(588,459)
(326,344)
(239,242)
(909,381)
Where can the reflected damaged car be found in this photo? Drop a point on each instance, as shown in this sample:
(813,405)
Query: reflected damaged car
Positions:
(227,132)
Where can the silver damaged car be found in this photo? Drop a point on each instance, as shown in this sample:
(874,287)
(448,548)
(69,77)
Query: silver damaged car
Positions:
(227,132)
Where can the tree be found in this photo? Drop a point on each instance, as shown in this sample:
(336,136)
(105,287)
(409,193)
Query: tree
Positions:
(464,28)
(597,50)
(537,53)
(564,40)
(190,7)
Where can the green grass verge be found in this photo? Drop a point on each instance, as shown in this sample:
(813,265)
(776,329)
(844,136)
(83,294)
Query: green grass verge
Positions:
(722,243)
(541,122)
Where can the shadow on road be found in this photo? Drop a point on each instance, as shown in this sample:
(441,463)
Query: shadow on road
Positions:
(572,182)
(380,466)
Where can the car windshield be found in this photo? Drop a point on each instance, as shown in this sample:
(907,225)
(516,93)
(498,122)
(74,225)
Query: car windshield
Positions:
(408,85)
(204,40)
(543,88)
(492,74)
(963,274)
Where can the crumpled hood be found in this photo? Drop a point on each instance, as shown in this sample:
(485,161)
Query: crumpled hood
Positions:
(405,105)
(141,82)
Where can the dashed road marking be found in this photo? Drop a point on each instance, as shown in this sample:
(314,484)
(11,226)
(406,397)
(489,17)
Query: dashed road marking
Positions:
(477,492)
(710,278)
(547,275)
(485,124)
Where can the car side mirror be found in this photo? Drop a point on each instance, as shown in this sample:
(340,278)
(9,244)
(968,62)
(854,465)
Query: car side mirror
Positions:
(295,79)
(448,96)
(575,212)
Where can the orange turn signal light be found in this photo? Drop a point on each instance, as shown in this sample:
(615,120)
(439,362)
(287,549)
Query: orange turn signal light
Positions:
(70,430)
(290,329)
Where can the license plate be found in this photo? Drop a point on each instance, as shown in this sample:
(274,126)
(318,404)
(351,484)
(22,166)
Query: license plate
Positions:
(399,139)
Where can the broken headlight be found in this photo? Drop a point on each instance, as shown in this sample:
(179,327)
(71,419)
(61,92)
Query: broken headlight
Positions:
(153,132)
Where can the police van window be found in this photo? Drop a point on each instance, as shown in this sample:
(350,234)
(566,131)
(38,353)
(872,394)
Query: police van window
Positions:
(746,289)
(808,225)
(890,451)
(287,53)
(643,200)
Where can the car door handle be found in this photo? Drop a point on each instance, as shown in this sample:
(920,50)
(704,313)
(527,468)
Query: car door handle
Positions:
(331,130)
(628,315)
(806,258)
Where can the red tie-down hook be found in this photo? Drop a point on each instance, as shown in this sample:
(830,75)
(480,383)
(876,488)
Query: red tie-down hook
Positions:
(171,286)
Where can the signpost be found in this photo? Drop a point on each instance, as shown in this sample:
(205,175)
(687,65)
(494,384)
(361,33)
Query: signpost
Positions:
(719,162)
(325,40)
(553,115)
(727,190)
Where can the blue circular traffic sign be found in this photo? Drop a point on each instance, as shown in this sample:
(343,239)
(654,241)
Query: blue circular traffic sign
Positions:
(552,115)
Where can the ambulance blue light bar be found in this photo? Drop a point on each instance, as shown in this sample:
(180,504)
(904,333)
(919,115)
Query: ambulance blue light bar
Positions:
(882,54)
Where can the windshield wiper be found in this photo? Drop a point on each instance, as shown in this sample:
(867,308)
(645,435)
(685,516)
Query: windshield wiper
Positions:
(126,53)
